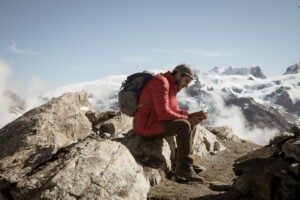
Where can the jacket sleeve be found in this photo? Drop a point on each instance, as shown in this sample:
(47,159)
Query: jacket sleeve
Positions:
(178,110)
(160,99)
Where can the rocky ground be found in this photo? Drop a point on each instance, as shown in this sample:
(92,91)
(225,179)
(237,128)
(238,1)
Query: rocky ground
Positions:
(218,176)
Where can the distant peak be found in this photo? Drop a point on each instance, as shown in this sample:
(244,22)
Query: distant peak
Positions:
(254,70)
(293,69)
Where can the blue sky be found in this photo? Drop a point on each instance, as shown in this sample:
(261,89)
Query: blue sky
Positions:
(72,41)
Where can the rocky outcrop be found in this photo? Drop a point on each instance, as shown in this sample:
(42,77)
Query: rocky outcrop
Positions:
(271,172)
(158,155)
(34,138)
(293,69)
(110,123)
(206,143)
(256,72)
(91,169)
(224,133)
(51,152)
(281,97)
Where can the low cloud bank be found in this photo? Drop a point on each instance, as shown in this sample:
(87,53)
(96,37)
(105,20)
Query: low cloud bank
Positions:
(232,116)
(28,95)
(5,73)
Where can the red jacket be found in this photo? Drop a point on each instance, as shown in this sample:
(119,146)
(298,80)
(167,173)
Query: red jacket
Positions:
(159,94)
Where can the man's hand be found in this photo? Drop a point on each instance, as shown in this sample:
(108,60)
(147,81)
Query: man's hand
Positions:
(197,117)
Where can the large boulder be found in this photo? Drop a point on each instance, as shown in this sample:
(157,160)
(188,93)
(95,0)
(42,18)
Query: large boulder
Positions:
(51,152)
(160,153)
(206,143)
(155,153)
(35,137)
(271,172)
(91,169)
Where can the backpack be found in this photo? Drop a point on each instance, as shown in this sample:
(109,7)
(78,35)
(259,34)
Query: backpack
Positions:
(130,91)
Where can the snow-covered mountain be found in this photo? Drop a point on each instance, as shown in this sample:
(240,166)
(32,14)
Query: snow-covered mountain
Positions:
(293,69)
(254,70)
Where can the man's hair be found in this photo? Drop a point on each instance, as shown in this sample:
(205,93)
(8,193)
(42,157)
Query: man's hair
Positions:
(185,69)
(175,72)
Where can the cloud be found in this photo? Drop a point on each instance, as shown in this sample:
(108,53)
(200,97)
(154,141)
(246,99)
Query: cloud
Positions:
(219,114)
(135,60)
(5,73)
(30,94)
(13,48)
(205,53)
(233,117)
(196,52)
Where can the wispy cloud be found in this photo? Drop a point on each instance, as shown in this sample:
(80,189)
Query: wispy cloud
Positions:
(135,60)
(197,52)
(205,53)
(13,48)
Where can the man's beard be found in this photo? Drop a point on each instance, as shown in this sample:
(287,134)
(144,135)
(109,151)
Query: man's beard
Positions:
(177,82)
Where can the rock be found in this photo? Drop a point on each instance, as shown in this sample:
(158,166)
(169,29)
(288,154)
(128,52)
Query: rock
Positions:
(281,138)
(160,153)
(153,153)
(219,186)
(50,153)
(257,177)
(35,137)
(265,152)
(271,172)
(113,123)
(295,130)
(291,149)
(93,119)
(91,169)
(224,132)
(110,123)
(205,142)
(293,69)
(122,124)
(107,128)
(104,116)
(256,72)
(295,168)
(2,197)
(288,187)
(153,176)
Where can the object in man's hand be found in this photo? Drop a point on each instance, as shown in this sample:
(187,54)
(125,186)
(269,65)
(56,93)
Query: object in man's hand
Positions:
(202,115)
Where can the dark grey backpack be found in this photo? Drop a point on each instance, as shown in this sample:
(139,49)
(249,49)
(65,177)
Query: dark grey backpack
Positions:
(130,91)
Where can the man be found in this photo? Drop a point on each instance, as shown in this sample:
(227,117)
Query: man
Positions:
(161,116)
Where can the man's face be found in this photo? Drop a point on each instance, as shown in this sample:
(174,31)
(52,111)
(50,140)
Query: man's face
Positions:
(182,81)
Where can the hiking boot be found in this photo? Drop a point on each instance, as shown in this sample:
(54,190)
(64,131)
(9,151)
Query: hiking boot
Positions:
(198,168)
(188,175)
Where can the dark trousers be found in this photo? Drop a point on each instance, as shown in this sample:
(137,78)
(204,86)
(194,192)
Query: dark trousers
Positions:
(184,132)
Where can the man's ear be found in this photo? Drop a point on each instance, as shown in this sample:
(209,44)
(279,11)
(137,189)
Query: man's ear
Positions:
(179,75)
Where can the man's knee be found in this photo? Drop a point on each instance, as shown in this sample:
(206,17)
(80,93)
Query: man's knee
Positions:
(184,125)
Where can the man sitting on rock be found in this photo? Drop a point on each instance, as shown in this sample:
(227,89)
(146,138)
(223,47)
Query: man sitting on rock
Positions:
(161,117)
